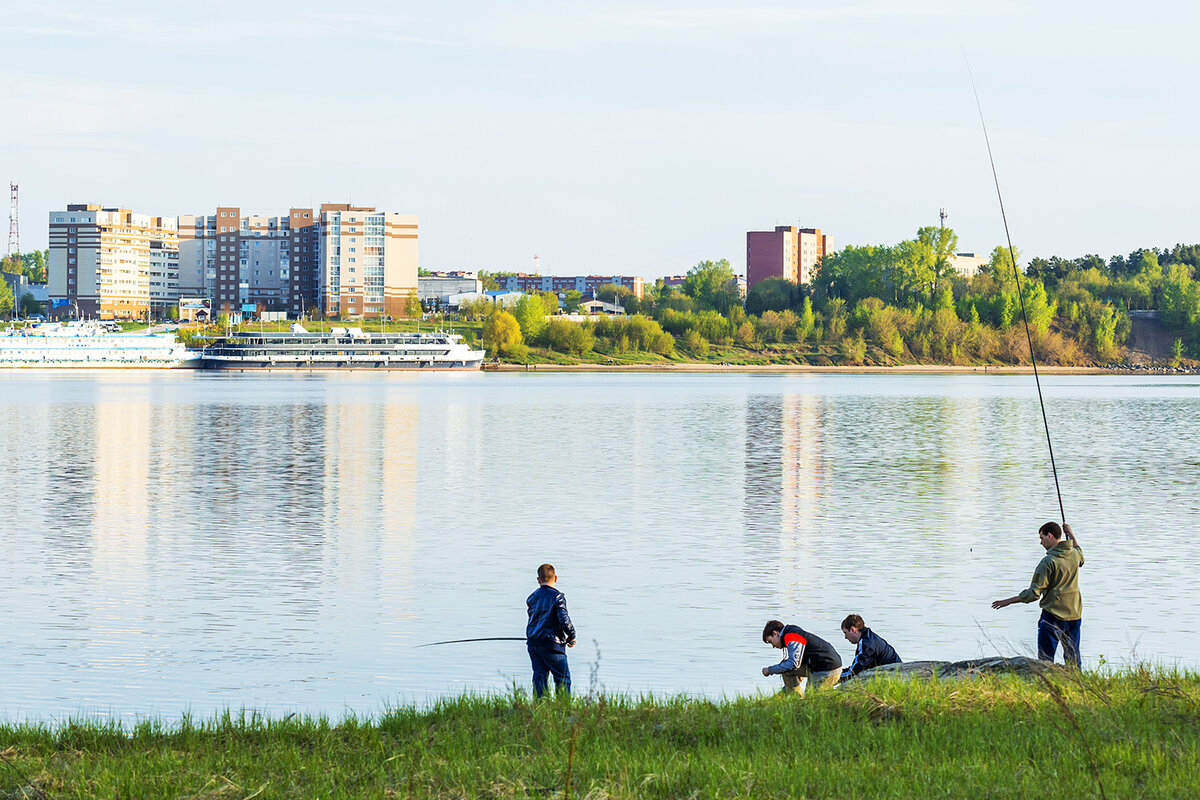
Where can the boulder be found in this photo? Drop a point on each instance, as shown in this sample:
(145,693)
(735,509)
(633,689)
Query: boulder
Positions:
(994,665)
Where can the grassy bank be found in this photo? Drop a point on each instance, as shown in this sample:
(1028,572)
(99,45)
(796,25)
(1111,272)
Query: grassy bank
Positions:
(1134,735)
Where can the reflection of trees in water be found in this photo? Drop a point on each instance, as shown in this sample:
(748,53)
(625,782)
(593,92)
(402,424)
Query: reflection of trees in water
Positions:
(785,480)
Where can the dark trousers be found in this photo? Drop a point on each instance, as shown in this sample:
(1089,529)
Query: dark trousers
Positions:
(1051,631)
(546,662)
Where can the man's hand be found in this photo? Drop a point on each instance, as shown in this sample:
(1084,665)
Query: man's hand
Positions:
(570,644)
(765,673)
(1069,533)
(1008,601)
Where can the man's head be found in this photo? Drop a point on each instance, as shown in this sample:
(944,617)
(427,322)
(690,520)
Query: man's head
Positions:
(852,628)
(546,576)
(1050,534)
(773,634)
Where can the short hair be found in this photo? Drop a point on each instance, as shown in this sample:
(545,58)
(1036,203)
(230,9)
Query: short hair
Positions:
(545,573)
(772,626)
(1051,528)
(853,621)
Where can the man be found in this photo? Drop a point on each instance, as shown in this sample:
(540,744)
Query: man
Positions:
(1056,581)
(807,656)
(870,648)
(548,631)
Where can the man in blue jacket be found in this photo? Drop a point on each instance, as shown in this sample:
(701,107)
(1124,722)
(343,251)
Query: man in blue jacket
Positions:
(549,633)
(871,650)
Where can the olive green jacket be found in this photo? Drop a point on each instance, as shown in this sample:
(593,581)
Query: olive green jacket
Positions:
(1056,581)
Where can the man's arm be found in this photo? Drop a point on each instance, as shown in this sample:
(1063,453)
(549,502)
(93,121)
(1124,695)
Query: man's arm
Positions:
(564,619)
(1041,579)
(1070,534)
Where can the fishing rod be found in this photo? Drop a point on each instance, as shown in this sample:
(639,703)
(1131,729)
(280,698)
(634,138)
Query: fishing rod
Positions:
(1012,254)
(482,639)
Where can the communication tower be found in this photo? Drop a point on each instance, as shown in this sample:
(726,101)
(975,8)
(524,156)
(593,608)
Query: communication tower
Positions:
(942,214)
(14,230)
(537,266)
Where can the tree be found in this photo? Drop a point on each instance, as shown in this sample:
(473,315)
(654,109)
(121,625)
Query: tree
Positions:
(502,334)
(771,294)
(491,280)
(29,306)
(412,306)
(941,243)
(571,301)
(530,314)
(550,302)
(807,321)
(613,293)
(708,282)
(6,298)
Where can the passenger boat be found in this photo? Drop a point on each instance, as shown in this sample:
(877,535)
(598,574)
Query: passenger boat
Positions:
(340,348)
(78,344)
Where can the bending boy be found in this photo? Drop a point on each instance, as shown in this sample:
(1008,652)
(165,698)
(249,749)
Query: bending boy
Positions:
(808,656)
(549,633)
(871,649)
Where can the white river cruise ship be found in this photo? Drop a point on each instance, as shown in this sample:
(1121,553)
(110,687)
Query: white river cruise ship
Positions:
(91,345)
(340,348)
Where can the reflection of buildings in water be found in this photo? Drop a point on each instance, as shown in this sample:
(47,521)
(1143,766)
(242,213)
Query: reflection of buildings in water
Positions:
(962,461)
(785,481)
(121,519)
(369,507)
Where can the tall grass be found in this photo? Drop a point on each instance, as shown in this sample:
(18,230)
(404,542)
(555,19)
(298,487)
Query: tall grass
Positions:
(1135,734)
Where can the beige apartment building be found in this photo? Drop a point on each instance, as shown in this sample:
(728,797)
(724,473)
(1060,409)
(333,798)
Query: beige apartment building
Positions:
(367,261)
(112,263)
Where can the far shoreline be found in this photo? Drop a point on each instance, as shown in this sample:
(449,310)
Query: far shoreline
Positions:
(801,369)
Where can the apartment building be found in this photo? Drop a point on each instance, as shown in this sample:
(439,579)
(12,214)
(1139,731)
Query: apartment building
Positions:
(250,262)
(786,252)
(112,263)
(585,284)
(367,261)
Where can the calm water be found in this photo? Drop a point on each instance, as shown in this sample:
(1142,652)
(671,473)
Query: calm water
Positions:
(179,541)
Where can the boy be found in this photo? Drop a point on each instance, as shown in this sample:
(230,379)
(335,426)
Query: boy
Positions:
(870,648)
(549,629)
(807,656)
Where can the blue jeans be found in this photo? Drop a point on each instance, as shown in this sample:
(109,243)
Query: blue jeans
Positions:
(546,661)
(1051,631)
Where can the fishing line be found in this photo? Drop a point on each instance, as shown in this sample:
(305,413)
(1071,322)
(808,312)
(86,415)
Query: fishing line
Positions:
(1012,254)
(484,639)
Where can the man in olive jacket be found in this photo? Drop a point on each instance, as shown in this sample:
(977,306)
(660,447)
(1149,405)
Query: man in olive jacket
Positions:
(1056,582)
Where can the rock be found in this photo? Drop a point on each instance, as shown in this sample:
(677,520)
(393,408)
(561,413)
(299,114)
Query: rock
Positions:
(943,670)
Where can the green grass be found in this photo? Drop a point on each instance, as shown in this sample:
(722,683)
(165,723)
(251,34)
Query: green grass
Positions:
(1135,734)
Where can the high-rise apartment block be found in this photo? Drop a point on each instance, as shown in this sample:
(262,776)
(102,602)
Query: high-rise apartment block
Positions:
(786,252)
(339,260)
(367,261)
(240,262)
(112,263)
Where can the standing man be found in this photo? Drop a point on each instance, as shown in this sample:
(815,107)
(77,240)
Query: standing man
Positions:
(549,633)
(871,650)
(1056,581)
(808,656)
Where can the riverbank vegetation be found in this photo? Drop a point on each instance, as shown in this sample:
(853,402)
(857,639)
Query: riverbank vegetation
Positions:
(1068,735)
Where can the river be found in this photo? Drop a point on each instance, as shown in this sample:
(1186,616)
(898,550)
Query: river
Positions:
(187,542)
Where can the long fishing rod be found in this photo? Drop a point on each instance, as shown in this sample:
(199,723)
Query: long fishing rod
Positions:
(1012,254)
(483,639)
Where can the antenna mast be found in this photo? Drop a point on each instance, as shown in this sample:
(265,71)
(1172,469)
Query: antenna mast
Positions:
(14,230)
(942,214)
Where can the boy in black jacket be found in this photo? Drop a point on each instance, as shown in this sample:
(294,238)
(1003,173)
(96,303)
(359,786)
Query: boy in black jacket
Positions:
(549,633)
(871,649)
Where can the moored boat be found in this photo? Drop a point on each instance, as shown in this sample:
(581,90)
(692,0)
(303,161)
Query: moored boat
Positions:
(91,345)
(340,348)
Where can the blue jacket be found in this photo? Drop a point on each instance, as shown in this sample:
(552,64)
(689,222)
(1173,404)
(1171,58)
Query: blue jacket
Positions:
(549,623)
(872,652)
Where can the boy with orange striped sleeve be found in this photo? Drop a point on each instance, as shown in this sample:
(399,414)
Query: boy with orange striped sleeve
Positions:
(808,656)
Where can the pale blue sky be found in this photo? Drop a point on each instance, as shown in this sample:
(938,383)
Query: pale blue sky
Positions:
(616,137)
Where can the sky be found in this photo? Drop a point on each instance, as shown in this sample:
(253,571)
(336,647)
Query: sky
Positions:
(616,137)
